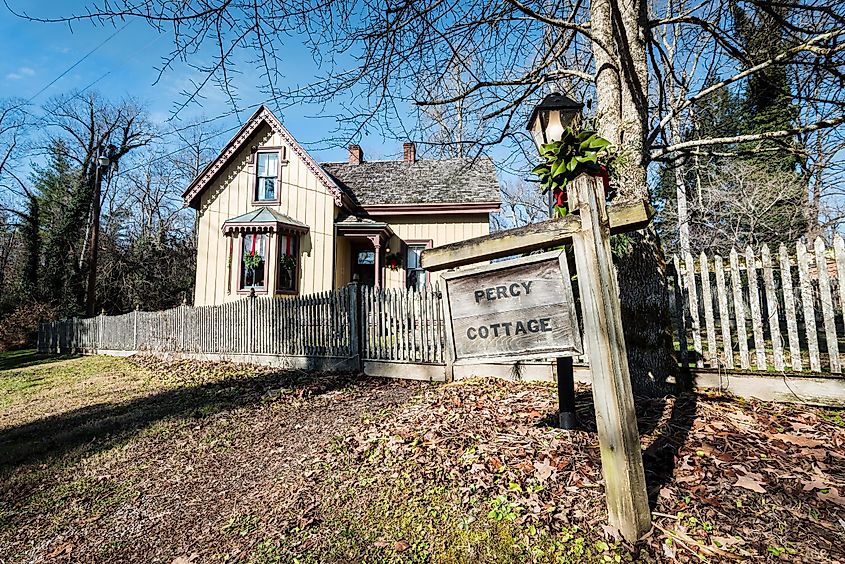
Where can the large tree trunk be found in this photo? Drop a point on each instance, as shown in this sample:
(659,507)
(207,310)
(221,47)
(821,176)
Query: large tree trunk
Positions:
(622,104)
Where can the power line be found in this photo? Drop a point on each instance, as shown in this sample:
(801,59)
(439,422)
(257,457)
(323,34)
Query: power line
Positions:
(77,63)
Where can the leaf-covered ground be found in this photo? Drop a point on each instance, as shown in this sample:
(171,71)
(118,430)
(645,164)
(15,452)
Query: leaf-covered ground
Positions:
(141,460)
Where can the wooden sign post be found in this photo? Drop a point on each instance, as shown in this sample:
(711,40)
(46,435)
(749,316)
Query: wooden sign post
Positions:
(588,227)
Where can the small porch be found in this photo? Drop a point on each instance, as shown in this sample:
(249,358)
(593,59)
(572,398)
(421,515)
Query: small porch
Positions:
(362,245)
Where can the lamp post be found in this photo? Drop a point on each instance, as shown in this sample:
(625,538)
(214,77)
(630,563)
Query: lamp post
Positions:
(101,164)
(548,120)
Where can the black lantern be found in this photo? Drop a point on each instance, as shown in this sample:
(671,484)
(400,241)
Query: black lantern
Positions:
(551,116)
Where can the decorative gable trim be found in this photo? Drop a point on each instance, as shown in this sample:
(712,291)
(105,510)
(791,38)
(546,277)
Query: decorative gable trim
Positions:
(261,116)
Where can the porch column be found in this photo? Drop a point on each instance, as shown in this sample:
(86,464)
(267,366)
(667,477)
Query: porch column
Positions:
(376,240)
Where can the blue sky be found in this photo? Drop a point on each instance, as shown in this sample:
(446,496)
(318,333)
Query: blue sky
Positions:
(35,54)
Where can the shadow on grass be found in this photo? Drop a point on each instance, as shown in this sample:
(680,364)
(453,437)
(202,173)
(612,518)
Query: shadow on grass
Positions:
(28,357)
(93,428)
(660,457)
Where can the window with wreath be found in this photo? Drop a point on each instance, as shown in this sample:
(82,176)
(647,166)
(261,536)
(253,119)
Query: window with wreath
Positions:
(267,177)
(287,274)
(254,262)
(416,276)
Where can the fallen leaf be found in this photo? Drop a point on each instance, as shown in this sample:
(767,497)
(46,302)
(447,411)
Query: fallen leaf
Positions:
(750,483)
(726,541)
(544,470)
(185,559)
(401,545)
(832,495)
(814,485)
(817,453)
(796,440)
(66,548)
(381,543)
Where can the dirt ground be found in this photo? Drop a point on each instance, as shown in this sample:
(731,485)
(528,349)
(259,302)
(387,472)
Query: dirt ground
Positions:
(142,460)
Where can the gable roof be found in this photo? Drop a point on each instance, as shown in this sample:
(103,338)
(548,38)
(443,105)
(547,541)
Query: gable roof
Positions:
(446,181)
(263,218)
(261,116)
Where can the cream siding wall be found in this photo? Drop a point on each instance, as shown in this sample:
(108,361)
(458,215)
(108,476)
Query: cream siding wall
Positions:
(440,229)
(302,197)
(343,265)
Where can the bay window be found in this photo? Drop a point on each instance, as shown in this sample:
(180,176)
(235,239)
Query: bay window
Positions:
(287,273)
(254,262)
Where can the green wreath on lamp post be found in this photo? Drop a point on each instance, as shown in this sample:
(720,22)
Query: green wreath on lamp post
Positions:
(576,153)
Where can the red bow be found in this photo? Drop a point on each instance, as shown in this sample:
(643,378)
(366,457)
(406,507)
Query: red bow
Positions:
(560,197)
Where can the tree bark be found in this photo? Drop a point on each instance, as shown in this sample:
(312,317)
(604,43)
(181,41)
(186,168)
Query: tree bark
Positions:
(622,105)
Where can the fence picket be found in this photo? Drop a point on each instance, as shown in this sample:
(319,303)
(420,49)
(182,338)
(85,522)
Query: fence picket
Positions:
(677,303)
(789,307)
(724,313)
(707,298)
(839,254)
(827,307)
(810,327)
(739,311)
(695,319)
(756,310)
(772,307)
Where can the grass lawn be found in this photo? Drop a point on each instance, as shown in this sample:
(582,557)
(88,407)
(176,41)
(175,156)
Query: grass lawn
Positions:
(141,460)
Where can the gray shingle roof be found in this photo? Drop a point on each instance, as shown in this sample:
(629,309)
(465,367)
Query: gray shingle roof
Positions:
(264,216)
(447,181)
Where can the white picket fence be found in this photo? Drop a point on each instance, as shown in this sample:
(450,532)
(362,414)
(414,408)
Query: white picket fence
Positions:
(759,311)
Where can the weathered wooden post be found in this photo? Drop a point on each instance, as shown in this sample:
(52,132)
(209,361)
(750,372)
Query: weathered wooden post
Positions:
(619,439)
(355,321)
(135,330)
(182,332)
(101,325)
(250,331)
(588,228)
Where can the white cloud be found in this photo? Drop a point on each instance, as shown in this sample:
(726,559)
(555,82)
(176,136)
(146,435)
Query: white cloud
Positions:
(22,72)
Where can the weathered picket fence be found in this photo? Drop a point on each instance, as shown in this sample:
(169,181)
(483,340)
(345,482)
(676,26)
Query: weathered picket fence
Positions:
(760,311)
(755,310)
(402,325)
(351,323)
(320,325)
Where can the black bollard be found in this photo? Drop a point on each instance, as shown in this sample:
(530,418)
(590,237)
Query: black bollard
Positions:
(566,393)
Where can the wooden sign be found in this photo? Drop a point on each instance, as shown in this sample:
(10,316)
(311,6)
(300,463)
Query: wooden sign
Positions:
(513,310)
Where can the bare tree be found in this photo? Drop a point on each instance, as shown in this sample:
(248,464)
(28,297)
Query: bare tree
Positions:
(522,204)
(740,204)
(89,128)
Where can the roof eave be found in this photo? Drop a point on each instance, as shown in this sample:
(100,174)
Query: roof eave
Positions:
(462,208)
(263,115)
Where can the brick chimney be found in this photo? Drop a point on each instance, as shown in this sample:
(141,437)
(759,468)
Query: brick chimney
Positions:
(356,155)
(409,151)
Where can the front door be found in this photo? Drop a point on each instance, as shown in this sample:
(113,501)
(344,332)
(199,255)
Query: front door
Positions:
(364,266)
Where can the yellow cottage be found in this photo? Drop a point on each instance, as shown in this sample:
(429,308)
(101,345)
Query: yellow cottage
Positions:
(273,221)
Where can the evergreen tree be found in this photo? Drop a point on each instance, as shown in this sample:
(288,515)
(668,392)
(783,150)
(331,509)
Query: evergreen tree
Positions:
(64,202)
(29,283)
(768,103)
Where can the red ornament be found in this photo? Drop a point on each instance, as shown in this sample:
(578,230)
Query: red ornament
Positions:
(560,197)
(605,177)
